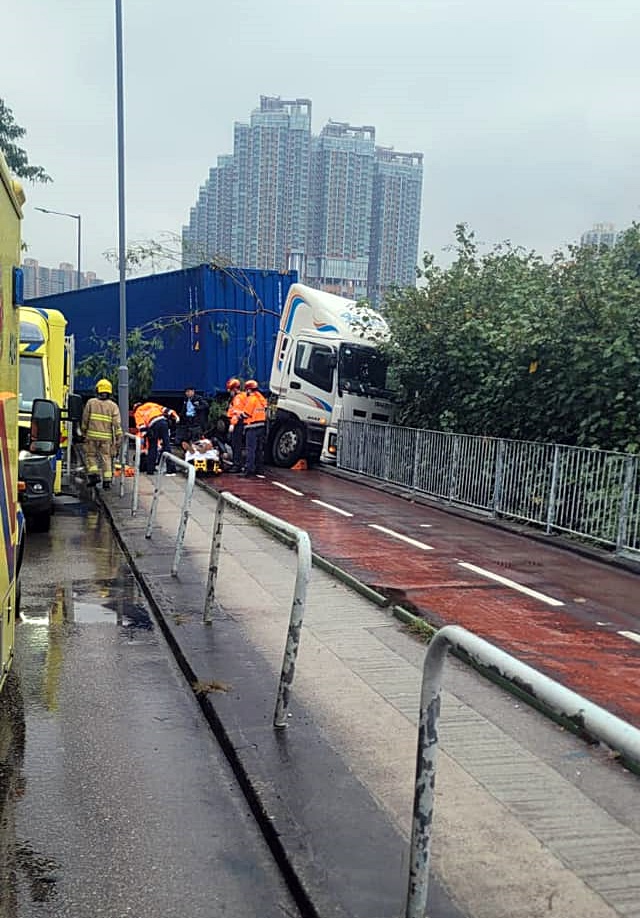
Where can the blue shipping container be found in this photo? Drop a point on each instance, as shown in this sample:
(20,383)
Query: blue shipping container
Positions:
(216,323)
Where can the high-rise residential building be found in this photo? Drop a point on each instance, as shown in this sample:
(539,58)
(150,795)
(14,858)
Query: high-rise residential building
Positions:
(42,281)
(329,206)
(601,235)
(340,228)
(395,223)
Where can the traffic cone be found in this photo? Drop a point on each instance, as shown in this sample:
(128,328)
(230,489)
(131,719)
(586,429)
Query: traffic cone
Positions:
(300,466)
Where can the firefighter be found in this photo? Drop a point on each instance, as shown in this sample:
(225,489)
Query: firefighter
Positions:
(152,422)
(236,421)
(255,420)
(102,432)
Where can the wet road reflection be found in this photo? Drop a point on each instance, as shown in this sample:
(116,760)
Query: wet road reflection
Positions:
(114,798)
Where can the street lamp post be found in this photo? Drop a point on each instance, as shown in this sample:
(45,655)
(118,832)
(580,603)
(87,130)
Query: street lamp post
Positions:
(61,213)
(123,369)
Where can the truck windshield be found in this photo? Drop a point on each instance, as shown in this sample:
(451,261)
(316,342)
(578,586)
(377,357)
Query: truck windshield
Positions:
(362,370)
(31,381)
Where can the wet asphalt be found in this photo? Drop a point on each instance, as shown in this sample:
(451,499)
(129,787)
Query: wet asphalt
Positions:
(115,800)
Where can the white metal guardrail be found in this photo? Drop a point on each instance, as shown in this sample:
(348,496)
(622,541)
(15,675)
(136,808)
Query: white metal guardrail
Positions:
(303,574)
(127,439)
(186,503)
(594,494)
(597,722)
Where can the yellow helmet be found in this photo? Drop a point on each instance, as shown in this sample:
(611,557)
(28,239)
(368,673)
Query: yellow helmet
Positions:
(103,385)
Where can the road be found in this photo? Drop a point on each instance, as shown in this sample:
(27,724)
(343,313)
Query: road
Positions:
(114,798)
(574,618)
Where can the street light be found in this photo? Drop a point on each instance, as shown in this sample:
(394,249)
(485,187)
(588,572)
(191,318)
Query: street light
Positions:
(61,213)
(123,369)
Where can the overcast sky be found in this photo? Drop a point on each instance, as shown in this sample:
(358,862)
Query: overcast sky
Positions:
(527,112)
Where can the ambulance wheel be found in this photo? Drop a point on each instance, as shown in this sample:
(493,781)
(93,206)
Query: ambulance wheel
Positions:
(287,445)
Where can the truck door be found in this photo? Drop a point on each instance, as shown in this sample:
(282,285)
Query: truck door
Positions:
(312,380)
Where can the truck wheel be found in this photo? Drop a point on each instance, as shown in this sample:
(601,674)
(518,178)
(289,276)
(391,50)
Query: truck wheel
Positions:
(40,522)
(287,445)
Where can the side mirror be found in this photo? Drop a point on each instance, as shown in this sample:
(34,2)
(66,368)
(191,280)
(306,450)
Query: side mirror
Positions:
(74,407)
(45,427)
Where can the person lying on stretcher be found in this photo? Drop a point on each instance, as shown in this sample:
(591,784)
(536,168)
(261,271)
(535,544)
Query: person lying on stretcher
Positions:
(203,455)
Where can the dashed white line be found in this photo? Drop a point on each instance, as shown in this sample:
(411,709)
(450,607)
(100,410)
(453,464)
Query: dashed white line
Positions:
(285,487)
(425,525)
(321,503)
(631,635)
(511,583)
(403,538)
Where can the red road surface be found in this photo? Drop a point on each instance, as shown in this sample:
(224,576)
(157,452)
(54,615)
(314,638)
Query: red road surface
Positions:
(569,629)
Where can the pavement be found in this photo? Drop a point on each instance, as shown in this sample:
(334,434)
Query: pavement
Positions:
(529,821)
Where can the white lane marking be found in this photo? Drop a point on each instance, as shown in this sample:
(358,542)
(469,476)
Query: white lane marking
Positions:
(511,583)
(321,503)
(285,487)
(631,635)
(425,525)
(603,624)
(403,538)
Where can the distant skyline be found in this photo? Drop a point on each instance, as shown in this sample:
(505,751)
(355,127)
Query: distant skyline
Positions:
(333,205)
(526,114)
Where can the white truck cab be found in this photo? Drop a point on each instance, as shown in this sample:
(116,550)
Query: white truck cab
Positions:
(326,367)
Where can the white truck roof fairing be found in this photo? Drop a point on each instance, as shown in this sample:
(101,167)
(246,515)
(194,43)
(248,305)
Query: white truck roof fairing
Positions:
(315,312)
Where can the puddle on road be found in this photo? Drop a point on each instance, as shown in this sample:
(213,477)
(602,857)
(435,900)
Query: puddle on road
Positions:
(77,590)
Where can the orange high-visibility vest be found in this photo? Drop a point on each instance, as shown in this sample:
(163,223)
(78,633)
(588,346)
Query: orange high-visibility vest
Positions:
(236,407)
(255,409)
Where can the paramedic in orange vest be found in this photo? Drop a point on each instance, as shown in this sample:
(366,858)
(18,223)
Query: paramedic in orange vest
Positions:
(152,421)
(255,421)
(236,421)
(102,432)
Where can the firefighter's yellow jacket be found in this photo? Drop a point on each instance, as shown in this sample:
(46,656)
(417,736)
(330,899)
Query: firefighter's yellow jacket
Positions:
(101,421)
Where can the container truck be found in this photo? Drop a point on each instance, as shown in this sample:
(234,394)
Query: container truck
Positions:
(46,371)
(214,323)
(45,421)
(316,352)
(326,366)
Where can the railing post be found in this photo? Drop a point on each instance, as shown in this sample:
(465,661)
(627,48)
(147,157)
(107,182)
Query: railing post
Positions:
(416,455)
(214,560)
(186,503)
(625,501)
(497,484)
(453,478)
(294,631)
(184,515)
(551,508)
(423,801)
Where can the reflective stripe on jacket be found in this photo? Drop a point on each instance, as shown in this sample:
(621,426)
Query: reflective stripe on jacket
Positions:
(101,420)
(255,409)
(236,407)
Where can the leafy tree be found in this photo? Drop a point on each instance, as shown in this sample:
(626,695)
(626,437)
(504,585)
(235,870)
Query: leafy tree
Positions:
(16,157)
(142,347)
(509,344)
(166,253)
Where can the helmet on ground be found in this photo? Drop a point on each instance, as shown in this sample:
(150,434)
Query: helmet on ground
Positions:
(251,385)
(233,383)
(103,385)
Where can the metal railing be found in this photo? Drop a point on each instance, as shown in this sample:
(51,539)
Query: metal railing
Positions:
(124,454)
(303,574)
(592,719)
(594,494)
(186,503)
